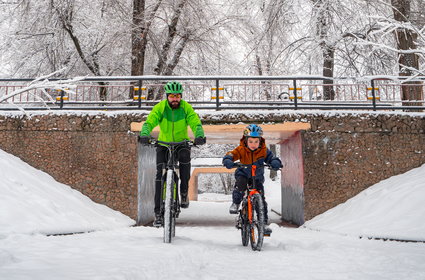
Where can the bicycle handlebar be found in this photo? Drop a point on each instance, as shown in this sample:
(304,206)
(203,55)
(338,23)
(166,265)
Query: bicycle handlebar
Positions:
(238,164)
(154,141)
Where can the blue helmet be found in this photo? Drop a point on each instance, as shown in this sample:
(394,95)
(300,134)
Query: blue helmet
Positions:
(253,130)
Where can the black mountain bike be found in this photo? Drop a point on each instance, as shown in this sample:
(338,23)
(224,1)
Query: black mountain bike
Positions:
(170,206)
(251,220)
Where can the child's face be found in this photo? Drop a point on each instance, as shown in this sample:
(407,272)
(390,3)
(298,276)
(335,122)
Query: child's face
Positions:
(253,143)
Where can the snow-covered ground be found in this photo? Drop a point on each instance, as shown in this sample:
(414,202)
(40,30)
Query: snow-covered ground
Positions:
(207,246)
(31,201)
(394,208)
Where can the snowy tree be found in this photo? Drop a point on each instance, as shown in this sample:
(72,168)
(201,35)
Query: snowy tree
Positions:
(143,18)
(407,38)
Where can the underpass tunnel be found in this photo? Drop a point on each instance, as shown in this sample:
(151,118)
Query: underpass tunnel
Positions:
(288,135)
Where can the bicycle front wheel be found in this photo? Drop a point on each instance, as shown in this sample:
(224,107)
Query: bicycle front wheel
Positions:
(168,217)
(256,227)
(243,217)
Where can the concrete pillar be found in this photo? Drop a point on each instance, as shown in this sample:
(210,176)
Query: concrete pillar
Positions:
(146,184)
(292,179)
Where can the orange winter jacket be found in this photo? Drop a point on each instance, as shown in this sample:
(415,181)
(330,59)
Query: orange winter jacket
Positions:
(245,155)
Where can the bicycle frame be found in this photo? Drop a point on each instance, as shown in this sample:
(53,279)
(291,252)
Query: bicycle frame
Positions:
(251,192)
(251,225)
(170,209)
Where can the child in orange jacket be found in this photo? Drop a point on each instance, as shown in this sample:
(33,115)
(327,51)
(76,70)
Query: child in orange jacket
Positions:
(251,150)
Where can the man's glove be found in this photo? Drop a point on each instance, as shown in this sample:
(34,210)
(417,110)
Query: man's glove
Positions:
(144,140)
(228,163)
(276,164)
(200,141)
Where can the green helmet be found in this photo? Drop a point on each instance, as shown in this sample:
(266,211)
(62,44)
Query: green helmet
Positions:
(173,87)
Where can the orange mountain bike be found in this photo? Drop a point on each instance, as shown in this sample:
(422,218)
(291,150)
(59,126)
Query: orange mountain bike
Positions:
(251,219)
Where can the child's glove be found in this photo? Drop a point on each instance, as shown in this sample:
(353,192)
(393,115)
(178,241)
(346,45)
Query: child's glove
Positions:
(276,164)
(228,163)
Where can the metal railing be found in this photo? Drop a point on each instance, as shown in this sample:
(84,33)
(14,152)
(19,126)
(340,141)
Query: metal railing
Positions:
(223,92)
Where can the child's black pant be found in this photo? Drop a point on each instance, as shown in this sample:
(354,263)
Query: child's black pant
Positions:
(240,188)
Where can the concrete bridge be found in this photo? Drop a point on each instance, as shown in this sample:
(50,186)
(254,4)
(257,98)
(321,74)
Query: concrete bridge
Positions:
(341,154)
(286,134)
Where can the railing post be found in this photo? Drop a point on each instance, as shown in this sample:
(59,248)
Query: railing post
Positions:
(217,94)
(61,103)
(139,84)
(295,95)
(372,83)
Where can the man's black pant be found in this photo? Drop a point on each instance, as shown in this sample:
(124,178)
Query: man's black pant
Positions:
(182,154)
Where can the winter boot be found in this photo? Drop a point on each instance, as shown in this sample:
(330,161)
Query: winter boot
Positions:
(267,230)
(234,208)
(158,220)
(184,201)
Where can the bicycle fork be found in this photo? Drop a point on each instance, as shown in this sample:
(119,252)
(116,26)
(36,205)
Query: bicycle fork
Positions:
(250,196)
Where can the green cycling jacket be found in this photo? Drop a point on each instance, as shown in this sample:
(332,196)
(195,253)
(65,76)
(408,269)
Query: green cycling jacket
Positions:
(173,123)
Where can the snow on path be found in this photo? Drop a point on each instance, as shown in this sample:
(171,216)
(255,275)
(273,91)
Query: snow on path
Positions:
(199,251)
(207,253)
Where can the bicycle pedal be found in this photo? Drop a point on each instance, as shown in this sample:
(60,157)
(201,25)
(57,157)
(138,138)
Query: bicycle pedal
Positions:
(267,235)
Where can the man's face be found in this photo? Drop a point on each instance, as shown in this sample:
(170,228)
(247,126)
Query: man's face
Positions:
(253,143)
(174,100)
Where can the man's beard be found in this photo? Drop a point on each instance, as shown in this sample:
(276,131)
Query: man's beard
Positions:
(174,104)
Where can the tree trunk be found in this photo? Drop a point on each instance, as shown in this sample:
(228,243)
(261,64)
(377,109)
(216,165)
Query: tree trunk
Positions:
(91,61)
(139,37)
(328,70)
(265,86)
(323,17)
(172,32)
(177,54)
(408,62)
(162,68)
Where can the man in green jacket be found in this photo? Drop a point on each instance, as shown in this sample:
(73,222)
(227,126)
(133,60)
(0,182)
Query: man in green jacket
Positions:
(173,116)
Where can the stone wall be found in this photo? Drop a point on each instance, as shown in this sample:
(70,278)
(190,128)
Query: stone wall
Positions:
(96,154)
(344,155)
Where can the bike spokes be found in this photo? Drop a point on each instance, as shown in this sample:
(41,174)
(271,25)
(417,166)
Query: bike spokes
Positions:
(257,223)
(244,225)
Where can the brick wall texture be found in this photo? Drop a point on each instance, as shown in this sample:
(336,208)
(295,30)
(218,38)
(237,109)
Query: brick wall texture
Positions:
(95,153)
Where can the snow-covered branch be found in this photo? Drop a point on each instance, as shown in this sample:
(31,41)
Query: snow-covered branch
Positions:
(44,83)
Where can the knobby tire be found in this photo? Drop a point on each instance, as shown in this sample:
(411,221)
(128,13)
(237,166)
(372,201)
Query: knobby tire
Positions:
(168,215)
(256,228)
(244,224)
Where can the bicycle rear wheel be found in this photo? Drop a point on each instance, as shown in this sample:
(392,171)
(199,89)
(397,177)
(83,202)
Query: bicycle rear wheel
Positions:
(256,227)
(243,216)
(168,215)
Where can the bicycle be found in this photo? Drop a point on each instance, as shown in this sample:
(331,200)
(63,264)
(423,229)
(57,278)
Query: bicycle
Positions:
(251,219)
(170,206)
